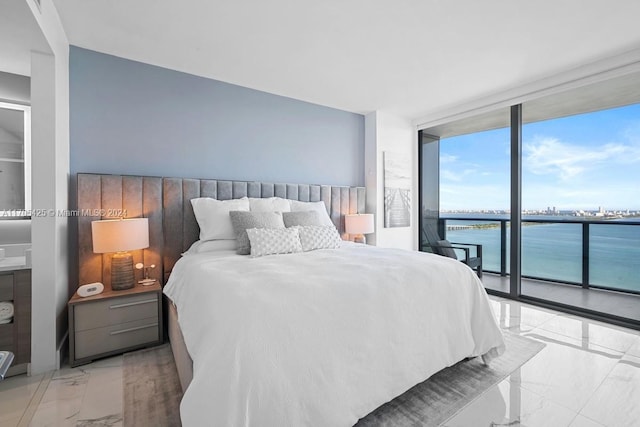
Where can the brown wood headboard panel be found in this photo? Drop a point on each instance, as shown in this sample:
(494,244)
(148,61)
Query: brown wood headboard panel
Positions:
(172,224)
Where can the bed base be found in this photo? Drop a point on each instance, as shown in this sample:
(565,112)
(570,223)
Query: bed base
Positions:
(184,363)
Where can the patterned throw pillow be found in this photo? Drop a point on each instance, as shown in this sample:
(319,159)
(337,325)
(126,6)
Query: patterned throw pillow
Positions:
(269,241)
(319,237)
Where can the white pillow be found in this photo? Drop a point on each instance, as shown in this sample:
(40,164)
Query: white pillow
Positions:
(200,246)
(319,207)
(269,241)
(213,216)
(269,204)
(314,237)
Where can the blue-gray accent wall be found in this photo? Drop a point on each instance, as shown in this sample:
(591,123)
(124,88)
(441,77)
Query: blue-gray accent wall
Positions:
(138,119)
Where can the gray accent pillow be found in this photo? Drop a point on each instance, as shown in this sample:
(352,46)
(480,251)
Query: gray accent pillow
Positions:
(243,220)
(444,248)
(303,218)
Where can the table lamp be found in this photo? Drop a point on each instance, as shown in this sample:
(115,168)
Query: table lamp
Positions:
(118,236)
(359,225)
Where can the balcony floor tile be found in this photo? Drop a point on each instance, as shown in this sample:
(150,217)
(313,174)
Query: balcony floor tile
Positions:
(626,306)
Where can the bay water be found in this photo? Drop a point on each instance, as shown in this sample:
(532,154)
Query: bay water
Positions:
(554,251)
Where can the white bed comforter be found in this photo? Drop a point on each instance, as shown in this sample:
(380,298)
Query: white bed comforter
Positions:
(321,338)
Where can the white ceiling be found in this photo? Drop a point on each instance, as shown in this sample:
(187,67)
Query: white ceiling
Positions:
(407,57)
(615,92)
(19,35)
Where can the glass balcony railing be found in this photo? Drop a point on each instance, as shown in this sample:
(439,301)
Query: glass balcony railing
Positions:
(588,253)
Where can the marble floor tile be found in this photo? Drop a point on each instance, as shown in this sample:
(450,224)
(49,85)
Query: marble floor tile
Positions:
(16,394)
(86,395)
(518,317)
(62,399)
(615,402)
(634,350)
(12,422)
(588,331)
(102,403)
(57,413)
(582,421)
(565,371)
(507,404)
(66,385)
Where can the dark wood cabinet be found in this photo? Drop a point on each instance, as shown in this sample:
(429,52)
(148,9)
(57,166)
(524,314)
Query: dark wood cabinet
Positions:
(15,336)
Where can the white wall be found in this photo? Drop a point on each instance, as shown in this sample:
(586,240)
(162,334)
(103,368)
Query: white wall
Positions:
(386,132)
(14,88)
(50,178)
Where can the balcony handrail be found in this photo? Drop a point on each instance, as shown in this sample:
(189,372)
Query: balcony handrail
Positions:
(585,222)
(544,220)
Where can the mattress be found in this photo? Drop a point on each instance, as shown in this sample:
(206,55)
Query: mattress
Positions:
(322,338)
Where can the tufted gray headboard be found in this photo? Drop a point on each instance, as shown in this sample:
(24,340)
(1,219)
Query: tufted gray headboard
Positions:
(172,224)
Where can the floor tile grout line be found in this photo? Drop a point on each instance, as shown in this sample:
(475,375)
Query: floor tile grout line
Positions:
(593,346)
(579,411)
(593,420)
(596,390)
(35,400)
(84,394)
(582,338)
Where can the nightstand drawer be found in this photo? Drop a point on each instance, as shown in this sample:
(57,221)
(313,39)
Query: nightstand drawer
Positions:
(102,340)
(6,287)
(115,311)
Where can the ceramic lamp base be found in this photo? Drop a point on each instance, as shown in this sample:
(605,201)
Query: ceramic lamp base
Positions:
(122,271)
(359,238)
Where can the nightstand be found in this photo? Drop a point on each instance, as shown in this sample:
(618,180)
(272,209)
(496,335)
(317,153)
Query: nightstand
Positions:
(114,322)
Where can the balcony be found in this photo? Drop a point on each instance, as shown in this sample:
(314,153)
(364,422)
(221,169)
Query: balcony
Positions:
(589,265)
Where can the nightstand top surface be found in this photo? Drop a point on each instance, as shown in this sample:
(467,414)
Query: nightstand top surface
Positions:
(110,293)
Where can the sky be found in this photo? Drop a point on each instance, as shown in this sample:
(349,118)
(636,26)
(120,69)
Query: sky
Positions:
(572,163)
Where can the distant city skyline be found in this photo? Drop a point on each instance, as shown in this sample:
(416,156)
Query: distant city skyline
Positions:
(574,163)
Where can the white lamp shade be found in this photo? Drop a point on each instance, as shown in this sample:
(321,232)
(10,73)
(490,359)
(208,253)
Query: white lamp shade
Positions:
(119,235)
(359,224)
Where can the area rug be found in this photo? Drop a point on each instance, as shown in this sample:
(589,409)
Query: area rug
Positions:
(435,400)
(152,391)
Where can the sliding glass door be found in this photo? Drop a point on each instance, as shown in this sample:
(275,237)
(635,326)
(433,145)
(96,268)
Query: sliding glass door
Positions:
(581,185)
(550,189)
(429,178)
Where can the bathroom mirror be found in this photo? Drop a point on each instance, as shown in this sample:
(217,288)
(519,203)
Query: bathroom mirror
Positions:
(15,160)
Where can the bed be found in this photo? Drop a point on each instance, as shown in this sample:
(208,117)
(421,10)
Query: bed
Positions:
(321,337)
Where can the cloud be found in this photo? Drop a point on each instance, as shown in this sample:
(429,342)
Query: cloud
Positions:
(548,155)
(447,158)
(454,196)
(446,174)
(456,176)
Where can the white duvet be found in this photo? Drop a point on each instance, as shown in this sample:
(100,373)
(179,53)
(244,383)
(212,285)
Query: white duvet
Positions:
(321,338)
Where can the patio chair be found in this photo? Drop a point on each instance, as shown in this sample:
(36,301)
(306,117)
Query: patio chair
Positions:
(449,249)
